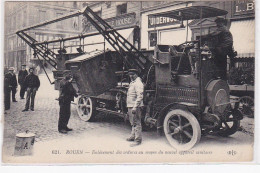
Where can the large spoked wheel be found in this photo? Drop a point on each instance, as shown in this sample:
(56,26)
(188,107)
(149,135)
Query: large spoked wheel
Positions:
(86,108)
(229,127)
(181,129)
(246,106)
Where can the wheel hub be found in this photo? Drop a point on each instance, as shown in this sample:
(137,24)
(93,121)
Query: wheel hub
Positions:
(178,129)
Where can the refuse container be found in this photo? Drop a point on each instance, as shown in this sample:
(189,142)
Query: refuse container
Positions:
(24,144)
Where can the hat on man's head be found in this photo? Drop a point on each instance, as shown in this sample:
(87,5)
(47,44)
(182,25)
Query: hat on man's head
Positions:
(31,68)
(23,64)
(220,20)
(132,71)
(11,69)
(68,76)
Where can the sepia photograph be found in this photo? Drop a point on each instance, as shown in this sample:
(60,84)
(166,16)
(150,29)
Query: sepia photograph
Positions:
(128,82)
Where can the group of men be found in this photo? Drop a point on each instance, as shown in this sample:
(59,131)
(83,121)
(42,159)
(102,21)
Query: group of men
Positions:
(28,83)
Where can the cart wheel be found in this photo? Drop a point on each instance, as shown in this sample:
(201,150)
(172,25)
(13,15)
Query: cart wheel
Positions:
(229,127)
(246,106)
(181,129)
(86,108)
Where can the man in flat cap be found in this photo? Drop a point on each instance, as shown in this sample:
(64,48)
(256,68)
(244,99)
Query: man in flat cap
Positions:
(12,82)
(31,83)
(134,104)
(224,46)
(67,94)
(21,77)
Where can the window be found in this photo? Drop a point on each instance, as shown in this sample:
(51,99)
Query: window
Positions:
(42,15)
(60,23)
(121,9)
(84,4)
(24,18)
(14,24)
(75,5)
(18,22)
(152,39)
(19,42)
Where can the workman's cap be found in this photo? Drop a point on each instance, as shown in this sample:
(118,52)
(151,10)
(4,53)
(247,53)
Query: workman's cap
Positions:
(23,64)
(31,68)
(220,20)
(68,76)
(11,69)
(132,71)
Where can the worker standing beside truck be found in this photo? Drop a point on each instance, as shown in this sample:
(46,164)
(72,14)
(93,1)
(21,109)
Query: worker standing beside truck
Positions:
(67,94)
(134,104)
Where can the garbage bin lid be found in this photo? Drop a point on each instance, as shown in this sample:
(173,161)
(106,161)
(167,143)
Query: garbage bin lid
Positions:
(25,135)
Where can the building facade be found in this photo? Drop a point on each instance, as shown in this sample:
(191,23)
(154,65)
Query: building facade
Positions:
(134,20)
(20,15)
(123,16)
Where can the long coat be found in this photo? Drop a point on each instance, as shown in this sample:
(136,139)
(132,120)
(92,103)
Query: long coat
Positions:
(21,76)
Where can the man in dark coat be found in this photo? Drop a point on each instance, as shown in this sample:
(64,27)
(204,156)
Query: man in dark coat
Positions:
(67,94)
(12,82)
(31,83)
(224,46)
(7,92)
(21,77)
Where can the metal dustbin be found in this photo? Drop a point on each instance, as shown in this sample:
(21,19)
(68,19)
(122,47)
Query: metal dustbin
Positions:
(24,144)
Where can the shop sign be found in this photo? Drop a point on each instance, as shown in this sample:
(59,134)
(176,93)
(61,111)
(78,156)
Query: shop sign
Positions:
(115,22)
(244,7)
(161,21)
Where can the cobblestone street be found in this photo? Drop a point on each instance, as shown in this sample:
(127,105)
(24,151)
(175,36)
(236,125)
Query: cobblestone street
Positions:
(109,130)
(43,121)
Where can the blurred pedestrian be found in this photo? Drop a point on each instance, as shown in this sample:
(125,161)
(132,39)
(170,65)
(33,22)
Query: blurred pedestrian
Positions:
(5,69)
(134,104)
(38,69)
(31,83)
(21,78)
(12,82)
(67,94)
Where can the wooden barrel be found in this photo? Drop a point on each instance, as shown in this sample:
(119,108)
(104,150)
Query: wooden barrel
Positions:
(24,144)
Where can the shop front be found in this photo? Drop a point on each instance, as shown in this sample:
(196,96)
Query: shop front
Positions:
(243,31)
(163,30)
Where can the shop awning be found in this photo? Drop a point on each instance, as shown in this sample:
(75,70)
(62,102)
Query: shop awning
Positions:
(193,12)
(86,56)
(244,38)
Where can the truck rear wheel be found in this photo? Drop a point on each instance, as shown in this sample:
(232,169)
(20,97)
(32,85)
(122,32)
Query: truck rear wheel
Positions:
(181,129)
(86,108)
(246,106)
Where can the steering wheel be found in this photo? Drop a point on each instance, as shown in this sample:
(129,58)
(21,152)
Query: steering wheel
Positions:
(187,44)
